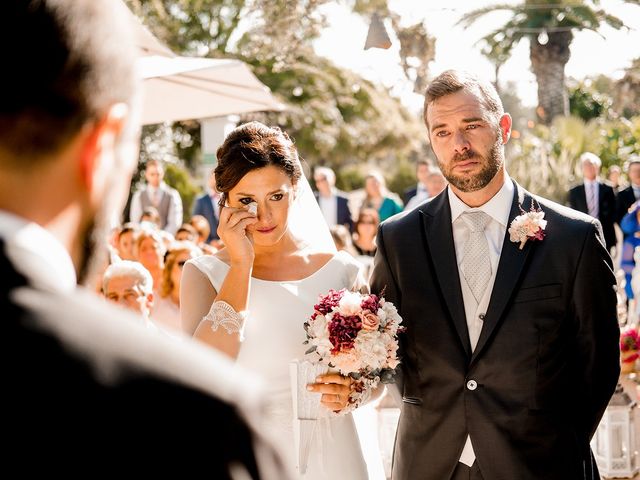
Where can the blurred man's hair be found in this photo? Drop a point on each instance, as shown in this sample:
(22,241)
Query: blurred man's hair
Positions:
(66,62)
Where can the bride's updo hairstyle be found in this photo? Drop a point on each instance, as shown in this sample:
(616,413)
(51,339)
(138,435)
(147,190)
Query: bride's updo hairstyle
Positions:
(252,146)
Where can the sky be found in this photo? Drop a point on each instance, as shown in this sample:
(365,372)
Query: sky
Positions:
(591,54)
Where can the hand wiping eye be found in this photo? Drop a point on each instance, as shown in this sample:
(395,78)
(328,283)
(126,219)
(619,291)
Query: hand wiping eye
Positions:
(252,208)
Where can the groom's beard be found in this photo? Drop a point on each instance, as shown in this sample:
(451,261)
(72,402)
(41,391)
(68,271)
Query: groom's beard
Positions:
(490,163)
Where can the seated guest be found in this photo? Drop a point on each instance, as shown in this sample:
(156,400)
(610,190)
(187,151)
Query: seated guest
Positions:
(186,233)
(166,311)
(151,216)
(126,241)
(149,251)
(202,228)
(366,229)
(364,238)
(342,239)
(130,285)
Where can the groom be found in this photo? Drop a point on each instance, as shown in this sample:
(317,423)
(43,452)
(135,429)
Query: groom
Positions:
(511,351)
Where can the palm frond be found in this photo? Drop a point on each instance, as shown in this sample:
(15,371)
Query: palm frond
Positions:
(470,17)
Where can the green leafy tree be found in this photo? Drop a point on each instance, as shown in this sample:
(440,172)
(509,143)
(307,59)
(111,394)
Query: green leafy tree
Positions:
(335,116)
(549,27)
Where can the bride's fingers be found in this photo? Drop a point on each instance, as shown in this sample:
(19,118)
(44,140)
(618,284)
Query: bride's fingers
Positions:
(241,222)
(334,378)
(329,388)
(334,402)
(236,217)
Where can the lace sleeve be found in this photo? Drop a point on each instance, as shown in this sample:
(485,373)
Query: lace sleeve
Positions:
(223,315)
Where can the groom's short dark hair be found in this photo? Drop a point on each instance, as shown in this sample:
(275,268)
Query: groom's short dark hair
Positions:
(67,62)
(453,81)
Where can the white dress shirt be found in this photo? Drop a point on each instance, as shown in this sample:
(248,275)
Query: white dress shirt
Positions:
(37,254)
(329,208)
(589,186)
(498,208)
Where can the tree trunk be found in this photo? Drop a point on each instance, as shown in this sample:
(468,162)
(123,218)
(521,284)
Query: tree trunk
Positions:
(548,62)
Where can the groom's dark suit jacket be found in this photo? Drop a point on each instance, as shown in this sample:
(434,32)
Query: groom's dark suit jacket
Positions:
(77,402)
(546,362)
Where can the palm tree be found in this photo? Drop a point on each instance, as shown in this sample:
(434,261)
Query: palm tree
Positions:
(549,26)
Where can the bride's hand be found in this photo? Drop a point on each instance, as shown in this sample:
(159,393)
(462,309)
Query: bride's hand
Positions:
(335,390)
(232,230)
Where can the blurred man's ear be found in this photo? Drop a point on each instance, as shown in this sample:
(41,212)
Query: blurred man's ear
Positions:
(505,127)
(98,149)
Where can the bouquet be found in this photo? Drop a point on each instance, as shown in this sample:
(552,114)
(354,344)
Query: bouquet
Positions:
(357,335)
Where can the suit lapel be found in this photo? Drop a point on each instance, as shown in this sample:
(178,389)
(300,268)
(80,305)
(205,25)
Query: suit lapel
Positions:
(439,238)
(510,268)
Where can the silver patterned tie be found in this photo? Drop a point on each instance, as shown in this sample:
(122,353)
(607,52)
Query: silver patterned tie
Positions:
(476,265)
(592,205)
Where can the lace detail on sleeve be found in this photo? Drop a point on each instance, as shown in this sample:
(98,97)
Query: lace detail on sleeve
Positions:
(223,315)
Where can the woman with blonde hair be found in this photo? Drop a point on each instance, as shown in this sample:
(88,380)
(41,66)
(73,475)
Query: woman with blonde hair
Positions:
(379,198)
(166,310)
(149,251)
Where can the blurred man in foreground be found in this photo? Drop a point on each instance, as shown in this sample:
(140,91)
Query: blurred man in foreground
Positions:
(85,385)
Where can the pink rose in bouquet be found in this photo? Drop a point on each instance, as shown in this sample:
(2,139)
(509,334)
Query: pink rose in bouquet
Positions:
(357,335)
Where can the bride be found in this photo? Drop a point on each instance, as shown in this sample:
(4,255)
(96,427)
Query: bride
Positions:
(251,299)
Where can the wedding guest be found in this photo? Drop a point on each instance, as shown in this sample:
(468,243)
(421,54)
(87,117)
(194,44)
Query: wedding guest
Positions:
(207,206)
(130,285)
(157,194)
(595,197)
(186,233)
(510,316)
(423,168)
(630,226)
(364,238)
(614,175)
(631,194)
(342,239)
(86,387)
(149,251)
(334,204)
(150,218)
(202,229)
(126,241)
(435,183)
(379,198)
(166,311)
(366,229)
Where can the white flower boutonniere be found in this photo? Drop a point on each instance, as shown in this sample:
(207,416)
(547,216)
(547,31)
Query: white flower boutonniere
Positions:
(528,225)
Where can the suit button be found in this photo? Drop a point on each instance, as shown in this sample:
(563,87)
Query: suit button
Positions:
(472,385)
(481,316)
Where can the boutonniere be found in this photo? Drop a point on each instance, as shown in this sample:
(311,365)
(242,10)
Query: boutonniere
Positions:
(528,225)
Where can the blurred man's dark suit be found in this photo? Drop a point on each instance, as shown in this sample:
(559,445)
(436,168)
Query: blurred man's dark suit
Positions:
(88,390)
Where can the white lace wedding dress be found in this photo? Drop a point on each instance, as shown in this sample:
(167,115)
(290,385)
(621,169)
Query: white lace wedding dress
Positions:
(274,336)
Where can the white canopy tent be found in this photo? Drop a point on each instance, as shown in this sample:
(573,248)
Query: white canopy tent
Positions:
(183,88)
